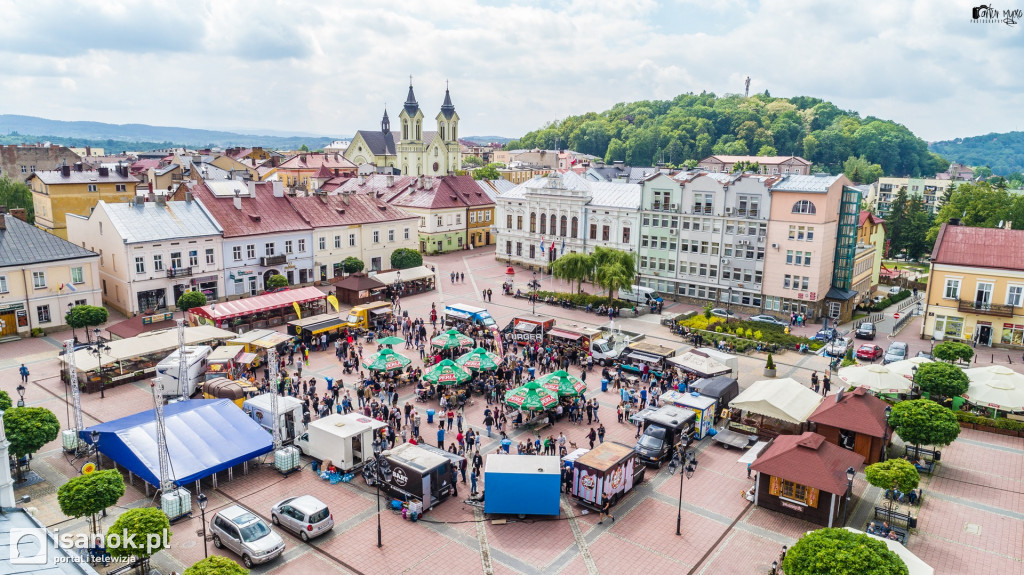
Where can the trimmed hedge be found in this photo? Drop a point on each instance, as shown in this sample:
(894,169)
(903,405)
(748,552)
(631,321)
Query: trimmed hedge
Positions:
(717,328)
(581,299)
(999,423)
(897,298)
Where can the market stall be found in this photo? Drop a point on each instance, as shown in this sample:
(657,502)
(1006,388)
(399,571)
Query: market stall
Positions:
(261,311)
(772,407)
(358,289)
(995,387)
(408,281)
(333,324)
(876,378)
(699,363)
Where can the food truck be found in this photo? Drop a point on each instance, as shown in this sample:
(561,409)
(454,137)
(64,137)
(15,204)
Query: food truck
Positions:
(459,314)
(702,407)
(195,361)
(223,361)
(522,484)
(663,428)
(289,410)
(721,388)
(312,326)
(527,329)
(342,440)
(605,346)
(418,472)
(606,472)
(638,353)
(369,316)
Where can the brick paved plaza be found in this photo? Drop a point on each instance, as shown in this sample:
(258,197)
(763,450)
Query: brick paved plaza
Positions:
(971,519)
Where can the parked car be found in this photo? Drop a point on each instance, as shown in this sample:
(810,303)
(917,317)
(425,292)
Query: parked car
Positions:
(838,347)
(897,351)
(306,516)
(866,330)
(768,319)
(245,534)
(893,290)
(722,312)
(870,352)
(925,355)
(826,334)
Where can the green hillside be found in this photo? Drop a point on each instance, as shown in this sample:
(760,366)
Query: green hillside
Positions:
(694,126)
(1003,153)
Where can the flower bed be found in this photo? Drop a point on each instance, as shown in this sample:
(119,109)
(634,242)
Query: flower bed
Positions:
(746,334)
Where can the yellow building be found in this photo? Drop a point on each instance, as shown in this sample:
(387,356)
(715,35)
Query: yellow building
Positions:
(298,171)
(41,277)
(229,164)
(976,286)
(871,231)
(72,189)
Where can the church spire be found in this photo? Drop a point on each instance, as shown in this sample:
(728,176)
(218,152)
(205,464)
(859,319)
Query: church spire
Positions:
(411,105)
(447,108)
(385,123)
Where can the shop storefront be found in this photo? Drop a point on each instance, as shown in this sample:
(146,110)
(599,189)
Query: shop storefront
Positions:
(264,311)
(1013,334)
(154,299)
(207,285)
(12,318)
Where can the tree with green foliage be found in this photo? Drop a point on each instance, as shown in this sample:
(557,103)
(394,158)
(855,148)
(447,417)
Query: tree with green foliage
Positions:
(767,151)
(405,258)
(17,195)
(5,401)
(834,551)
(191,299)
(28,429)
(87,495)
(616,151)
(860,171)
(216,565)
(914,236)
(488,172)
(277,281)
(472,161)
(893,474)
(573,267)
(151,530)
(896,222)
(85,316)
(924,422)
(978,204)
(352,264)
(941,379)
(614,270)
(952,351)
(303,148)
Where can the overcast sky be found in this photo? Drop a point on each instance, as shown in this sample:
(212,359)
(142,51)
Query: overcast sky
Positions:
(329,67)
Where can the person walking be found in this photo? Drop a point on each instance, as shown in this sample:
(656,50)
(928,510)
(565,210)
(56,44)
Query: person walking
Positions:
(592,436)
(826,385)
(606,511)
(23,371)
(472,481)
(600,433)
(440,436)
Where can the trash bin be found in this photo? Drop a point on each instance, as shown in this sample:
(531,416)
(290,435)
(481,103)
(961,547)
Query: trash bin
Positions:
(430,416)
(604,385)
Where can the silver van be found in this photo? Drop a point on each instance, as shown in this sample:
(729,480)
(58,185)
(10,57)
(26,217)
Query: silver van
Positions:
(246,534)
(306,516)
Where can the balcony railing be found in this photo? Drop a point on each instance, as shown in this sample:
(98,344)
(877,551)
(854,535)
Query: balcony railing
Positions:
(1000,310)
(179,272)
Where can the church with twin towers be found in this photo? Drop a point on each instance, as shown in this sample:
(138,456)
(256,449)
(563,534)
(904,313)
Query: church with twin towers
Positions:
(408,148)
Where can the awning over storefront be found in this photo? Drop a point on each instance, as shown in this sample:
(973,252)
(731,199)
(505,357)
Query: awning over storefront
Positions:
(251,336)
(380,310)
(564,334)
(411,274)
(271,340)
(317,323)
(260,303)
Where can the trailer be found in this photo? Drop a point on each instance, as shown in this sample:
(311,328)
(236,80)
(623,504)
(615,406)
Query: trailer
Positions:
(289,410)
(721,388)
(527,329)
(196,360)
(522,484)
(606,473)
(344,440)
(703,407)
(418,473)
(639,353)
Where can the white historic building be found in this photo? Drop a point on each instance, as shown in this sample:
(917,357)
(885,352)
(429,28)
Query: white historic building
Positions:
(547,216)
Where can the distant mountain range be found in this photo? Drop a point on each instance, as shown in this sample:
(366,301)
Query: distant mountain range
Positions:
(487,139)
(16,129)
(1003,153)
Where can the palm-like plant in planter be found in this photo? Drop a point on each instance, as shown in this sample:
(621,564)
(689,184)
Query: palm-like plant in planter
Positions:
(769,367)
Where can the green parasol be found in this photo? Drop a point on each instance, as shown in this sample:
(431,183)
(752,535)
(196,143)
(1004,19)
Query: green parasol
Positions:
(390,340)
(386,360)
(531,397)
(479,359)
(451,339)
(563,384)
(447,373)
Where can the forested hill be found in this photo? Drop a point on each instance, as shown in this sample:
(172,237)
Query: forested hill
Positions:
(692,127)
(1003,153)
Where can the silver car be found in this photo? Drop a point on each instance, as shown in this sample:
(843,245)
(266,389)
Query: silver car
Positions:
(246,534)
(306,516)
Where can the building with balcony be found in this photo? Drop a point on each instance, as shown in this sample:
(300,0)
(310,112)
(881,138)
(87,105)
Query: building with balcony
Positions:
(76,190)
(930,190)
(151,252)
(767,165)
(871,231)
(976,286)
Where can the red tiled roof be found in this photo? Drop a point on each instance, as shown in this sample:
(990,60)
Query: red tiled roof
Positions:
(264,213)
(324,172)
(143,165)
(348,209)
(979,247)
(866,215)
(857,411)
(376,184)
(315,161)
(467,188)
(808,460)
(443,193)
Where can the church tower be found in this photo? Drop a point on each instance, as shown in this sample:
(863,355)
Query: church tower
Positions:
(410,147)
(447,147)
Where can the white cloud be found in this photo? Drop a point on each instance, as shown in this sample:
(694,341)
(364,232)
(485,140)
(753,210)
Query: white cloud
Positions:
(329,68)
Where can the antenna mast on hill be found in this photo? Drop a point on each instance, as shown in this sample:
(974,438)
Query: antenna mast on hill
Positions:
(746,91)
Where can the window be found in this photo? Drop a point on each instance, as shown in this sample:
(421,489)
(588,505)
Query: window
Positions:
(250,251)
(487,216)
(508,223)
(440,221)
(351,240)
(533,223)
(606,232)
(43,313)
(391,235)
(287,246)
(519,222)
(472,219)
(625,235)
(949,326)
(533,251)
(797,492)
(120,188)
(543,224)
(1013,295)
(563,227)
(322,243)
(458,219)
(787,281)
(77,276)
(406,234)
(140,265)
(301,246)
(193,257)
(236,254)
(952,289)
(508,247)
(593,231)
(209,256)
(519,248)
(94,188)
(789,257)
(575,227)
(3,284)
(268,249)
(804,207)
(39,280)
(376,236)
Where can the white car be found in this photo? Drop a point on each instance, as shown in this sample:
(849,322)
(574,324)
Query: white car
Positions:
(838,347)
(724,313)
(306,516)
(244,533)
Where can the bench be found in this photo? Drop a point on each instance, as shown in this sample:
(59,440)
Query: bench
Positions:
(893,517)
(902,535)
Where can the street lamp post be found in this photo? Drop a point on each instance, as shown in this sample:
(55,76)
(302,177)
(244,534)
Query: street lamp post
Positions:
(534,286)
(381,471)
(21,395)
(728,306)
(688,463)
(202,499)
(97,349)
(885,435)
(913,382)
(850,472)
(95,436)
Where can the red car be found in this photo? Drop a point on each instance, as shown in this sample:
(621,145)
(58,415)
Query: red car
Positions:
(870,352)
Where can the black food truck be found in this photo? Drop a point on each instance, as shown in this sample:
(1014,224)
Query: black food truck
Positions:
(417,472)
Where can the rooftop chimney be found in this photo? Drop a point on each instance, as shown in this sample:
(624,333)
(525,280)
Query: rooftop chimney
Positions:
(3,221)
(188,197)
(19,213)
(238,200)
(391,180)
(104,172)
(278,189)
(65,171)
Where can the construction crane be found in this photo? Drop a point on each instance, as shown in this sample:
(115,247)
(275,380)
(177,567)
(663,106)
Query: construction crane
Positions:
(184,380)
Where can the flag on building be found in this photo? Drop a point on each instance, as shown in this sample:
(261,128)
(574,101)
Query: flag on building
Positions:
(69,286)
(542,244)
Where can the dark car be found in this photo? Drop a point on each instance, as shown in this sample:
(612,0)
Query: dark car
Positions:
(870,352)
(765,318)
(826,334)
(865,330)
(897,352)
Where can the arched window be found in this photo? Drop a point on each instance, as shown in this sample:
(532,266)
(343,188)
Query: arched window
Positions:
(543,223)
(554,224)
(564,227)
(804,207)
(533,222)
(442,131)
(575,226)
(405,130)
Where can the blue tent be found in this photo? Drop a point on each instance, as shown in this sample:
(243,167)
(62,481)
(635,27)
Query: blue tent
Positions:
(204,436)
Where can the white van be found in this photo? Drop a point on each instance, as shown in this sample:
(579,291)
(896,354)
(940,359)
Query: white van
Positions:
(640,295)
